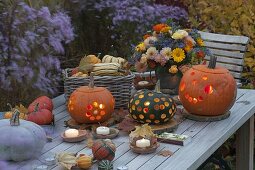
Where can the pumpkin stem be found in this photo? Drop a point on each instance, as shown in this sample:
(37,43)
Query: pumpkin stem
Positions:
(10,106)
(212,62)
(91,83)
(157,87)
(36,107)
(14,121)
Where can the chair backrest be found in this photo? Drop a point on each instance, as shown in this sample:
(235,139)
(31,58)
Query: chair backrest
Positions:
(229,50)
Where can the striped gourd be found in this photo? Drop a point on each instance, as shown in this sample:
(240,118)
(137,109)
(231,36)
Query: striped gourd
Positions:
(106,69)
(111,59)
(103,149)
(105,165)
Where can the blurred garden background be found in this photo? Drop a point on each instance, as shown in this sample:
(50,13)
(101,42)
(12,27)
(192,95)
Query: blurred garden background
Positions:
(38,39)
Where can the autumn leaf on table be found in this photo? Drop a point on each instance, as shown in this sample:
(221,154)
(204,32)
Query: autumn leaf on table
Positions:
(142,131)
(127,125)
(90,140)
(21,108)
(120,114)
(165,153)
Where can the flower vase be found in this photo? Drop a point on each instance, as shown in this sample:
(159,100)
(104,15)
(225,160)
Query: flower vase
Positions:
(169,83)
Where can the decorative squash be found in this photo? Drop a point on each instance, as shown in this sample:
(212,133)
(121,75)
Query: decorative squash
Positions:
(111,59)
(105,165)
(40,117)
(107,69)
(103,149)
(151,107)
(208,91)
(84,162)
(44,103)
(89,104)
(20,139)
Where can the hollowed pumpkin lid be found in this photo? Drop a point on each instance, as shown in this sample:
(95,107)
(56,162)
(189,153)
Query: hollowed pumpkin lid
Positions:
(211,68)
(87,89)
(216,70)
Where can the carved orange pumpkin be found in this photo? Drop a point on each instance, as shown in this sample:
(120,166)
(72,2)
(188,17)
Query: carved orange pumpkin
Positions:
(89,104)
(208,91)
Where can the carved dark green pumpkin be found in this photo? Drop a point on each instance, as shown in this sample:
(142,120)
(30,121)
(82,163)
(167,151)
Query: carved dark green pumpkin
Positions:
(151,107)
(105,165)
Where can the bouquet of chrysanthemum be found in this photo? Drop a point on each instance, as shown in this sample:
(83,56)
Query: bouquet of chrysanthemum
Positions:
(170,49)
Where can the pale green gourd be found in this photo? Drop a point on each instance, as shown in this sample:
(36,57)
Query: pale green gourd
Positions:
(20,139)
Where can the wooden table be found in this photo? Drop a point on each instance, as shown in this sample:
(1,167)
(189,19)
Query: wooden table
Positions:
(207,137)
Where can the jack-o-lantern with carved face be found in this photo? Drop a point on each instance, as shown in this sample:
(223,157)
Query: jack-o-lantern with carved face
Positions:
(89,104)
(207,90)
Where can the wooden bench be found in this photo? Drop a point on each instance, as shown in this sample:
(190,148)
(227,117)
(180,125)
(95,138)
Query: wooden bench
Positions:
(229,49)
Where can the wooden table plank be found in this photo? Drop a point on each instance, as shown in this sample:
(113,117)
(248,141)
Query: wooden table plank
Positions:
(188,127)
(212,136)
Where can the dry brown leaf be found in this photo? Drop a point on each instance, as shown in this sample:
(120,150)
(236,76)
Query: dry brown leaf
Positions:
(127,125)
(165,153)
(21,108)
(90,142)
(142,131)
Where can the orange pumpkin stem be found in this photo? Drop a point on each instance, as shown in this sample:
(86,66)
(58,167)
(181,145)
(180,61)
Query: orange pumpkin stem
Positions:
(91,83)
(212,62)
(14,121)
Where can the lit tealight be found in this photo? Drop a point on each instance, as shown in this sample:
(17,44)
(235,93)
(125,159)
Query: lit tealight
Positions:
(102,130)
(71,133)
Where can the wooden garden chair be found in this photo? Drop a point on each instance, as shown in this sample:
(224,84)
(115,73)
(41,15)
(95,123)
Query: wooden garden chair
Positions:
(229,49)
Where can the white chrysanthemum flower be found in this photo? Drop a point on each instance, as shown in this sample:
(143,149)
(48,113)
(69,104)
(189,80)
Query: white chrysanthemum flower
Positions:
(149,41)
(143,58)
(180,34)
(166,52)
(151,52)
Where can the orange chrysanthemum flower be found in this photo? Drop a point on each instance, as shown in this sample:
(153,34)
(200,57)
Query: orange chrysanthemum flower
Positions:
(146,36)
(188,48)
(158,27)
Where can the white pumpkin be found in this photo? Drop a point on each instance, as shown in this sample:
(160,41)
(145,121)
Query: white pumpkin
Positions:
(20,139)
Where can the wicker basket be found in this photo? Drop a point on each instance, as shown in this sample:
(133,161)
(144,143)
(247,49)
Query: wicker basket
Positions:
(119,86)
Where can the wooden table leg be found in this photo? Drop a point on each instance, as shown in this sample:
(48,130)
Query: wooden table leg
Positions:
(244,145)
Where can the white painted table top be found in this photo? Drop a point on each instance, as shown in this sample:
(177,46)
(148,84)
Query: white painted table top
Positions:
(207,137)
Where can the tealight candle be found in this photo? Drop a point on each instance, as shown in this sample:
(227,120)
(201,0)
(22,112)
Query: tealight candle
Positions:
(71,133)
(122,168)
(142,143)
(102,130)
(143,83)
(50,161)
(41,167)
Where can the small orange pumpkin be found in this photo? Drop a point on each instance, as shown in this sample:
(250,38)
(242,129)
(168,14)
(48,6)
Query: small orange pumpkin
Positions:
(40,116)
(89,104)
(208,91)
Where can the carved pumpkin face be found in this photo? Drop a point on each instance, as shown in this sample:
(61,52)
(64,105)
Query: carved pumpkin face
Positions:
(207,91)
(151,107)
(91,104)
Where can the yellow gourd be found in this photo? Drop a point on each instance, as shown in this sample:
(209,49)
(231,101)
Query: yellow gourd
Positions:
(84,162)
